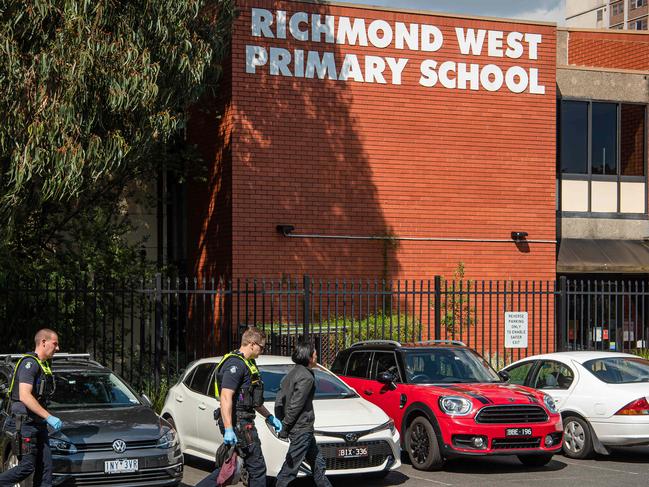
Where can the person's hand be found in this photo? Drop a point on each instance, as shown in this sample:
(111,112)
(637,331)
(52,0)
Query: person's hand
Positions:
(229,438)
(283,435)
(274,422)
(55,423)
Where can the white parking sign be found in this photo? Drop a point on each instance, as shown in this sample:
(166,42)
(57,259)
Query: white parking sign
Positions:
(516,330)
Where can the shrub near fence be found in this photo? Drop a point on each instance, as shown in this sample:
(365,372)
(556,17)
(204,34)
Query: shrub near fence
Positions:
(336,334)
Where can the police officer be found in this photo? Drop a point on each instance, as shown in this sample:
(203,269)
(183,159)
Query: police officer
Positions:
(240,391)
(31,386)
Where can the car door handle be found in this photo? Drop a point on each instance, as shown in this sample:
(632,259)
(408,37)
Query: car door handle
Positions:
(368,392)
(202,406)
(179,398)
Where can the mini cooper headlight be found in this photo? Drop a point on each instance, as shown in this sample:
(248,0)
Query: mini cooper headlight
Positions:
(455,405)
(62,447)
(168,440)
(550,404)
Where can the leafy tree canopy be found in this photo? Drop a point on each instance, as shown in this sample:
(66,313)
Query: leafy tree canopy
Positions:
(92,93)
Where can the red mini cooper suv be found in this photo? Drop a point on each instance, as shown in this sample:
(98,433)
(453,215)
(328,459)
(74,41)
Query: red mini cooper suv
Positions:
(447,401)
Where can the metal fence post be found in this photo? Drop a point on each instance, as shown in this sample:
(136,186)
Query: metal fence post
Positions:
(306,309)
(158,330)
(562,322)
(438,307)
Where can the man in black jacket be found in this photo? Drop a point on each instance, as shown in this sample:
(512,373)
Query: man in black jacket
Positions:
(294,406)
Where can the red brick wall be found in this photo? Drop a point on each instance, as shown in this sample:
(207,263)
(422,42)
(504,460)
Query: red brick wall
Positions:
(367,159)
(209,203)
(609,50)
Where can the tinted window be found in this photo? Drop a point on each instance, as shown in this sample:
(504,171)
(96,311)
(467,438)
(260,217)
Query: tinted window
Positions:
(632,145)
(338,366)
(358,364)
(574,137)
(447,365)
(90,389)
(622,370)
(518,373)
(604,138)
(201,378)
(384,362)
(553,375)
(327,385)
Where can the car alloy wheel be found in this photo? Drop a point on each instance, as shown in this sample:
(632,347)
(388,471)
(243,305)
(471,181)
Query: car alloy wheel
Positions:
(577,441)
(422,445)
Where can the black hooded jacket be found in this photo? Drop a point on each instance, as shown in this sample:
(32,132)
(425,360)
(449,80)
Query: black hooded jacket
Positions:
(294,402)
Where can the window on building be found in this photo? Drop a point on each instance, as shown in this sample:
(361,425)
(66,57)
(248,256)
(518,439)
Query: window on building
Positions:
(617,8)
(638,3)
(602,157)
(639,24)
(600,15)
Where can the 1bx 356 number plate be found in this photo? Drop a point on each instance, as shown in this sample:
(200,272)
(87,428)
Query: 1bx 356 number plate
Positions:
(353,452)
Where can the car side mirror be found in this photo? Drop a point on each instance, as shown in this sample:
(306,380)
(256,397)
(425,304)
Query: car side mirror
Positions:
(504,376)
(385,378)
(145,399)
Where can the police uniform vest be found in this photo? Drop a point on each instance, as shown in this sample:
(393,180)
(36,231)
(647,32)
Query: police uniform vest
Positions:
(246,398)
(44,387)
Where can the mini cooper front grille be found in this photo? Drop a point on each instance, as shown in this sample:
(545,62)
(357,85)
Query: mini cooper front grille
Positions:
(515,443)
(378,452)
(514,414)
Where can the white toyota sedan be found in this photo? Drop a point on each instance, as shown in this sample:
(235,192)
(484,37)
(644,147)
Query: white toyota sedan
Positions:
(355,436)
(602,396)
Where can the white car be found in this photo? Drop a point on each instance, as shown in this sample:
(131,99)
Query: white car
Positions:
(355,436)
(602,396)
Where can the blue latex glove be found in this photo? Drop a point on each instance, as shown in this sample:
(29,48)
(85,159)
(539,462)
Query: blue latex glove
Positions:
(55,423)
(274,422)
(229,438)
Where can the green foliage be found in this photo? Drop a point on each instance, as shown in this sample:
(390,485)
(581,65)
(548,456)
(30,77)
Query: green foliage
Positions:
(95,94)
(158,393)
(641,352)
(455,308)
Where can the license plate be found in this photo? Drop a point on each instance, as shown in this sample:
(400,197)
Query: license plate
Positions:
(120,466)
(354,452)
(518,432)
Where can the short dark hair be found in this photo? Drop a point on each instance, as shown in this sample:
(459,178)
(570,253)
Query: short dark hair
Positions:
(302,352)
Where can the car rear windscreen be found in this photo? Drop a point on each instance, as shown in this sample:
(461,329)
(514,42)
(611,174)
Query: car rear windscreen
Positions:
(619,370)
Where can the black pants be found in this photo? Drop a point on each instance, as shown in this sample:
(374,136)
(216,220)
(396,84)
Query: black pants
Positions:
(253,459)
(37,460)
(303,447)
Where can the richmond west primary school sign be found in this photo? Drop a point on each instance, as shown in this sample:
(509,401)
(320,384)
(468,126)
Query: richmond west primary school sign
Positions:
(332,30)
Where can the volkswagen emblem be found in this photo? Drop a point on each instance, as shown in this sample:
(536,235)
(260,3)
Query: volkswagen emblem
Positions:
(119,446)
(351,437)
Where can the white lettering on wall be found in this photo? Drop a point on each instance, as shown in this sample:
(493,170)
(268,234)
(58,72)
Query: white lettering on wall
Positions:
(323,64)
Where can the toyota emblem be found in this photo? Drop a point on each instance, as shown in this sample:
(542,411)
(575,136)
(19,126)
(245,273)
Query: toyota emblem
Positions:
(119,446)
(351,437)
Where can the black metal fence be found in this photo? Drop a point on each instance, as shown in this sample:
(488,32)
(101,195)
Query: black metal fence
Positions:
(149,330)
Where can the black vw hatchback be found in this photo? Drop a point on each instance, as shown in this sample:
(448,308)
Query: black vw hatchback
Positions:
(110,436)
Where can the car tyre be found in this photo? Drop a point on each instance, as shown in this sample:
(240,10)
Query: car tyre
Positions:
(535,460)
(422,445)
(577,438)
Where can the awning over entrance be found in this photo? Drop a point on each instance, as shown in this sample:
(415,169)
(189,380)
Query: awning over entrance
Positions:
(596,256)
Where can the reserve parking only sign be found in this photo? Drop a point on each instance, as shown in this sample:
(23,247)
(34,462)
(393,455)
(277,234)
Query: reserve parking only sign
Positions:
(516,329)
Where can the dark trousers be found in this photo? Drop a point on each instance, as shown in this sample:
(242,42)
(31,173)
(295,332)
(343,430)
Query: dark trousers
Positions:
(36,460)
(253,459)
(303,447)
(210,480)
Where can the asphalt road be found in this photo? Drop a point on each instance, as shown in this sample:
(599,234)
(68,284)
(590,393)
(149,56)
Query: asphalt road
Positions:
(625,467)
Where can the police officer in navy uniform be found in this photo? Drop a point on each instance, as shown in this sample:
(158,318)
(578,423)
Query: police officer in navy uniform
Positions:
(31,386)
(240,391)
